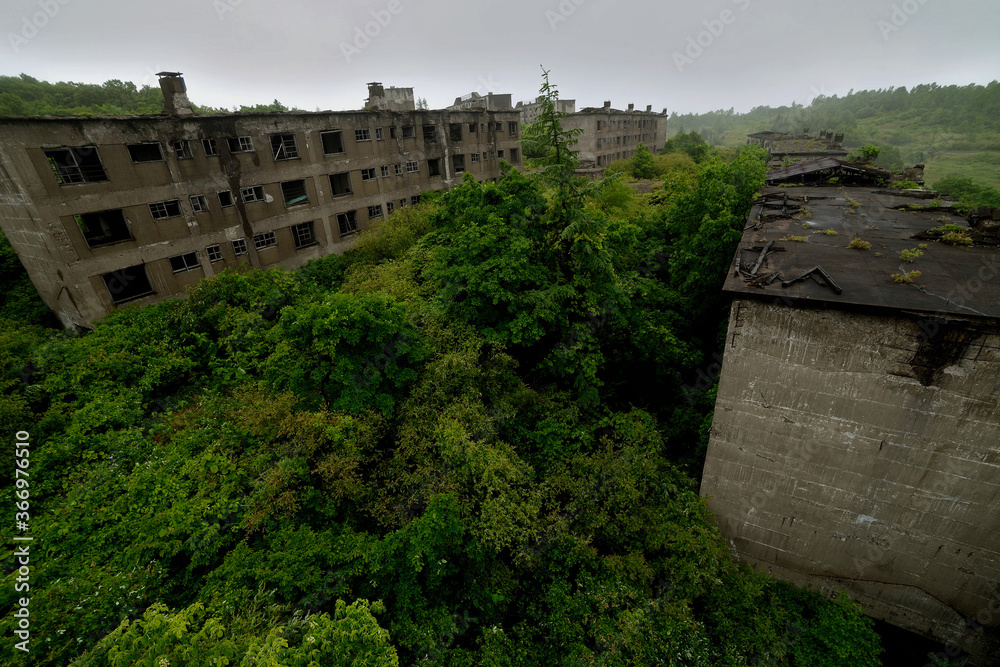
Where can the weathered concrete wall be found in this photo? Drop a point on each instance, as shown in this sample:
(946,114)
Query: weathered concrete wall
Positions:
(849,451)
(609,134)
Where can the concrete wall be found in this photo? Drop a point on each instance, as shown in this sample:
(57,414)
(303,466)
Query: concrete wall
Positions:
(845,455)
(610,135)
(37,213)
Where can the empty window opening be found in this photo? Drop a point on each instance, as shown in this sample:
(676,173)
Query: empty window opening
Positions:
(76,165)
(182,149)
(145,152)
(210,146)
(165,209)
(414,200)
(430,134)
(304,235)
(252,193)
(226,199)
(283,147)
(347,222)
(514,155)
(408,132)
(128,284)
(472,128)
(368,174)
(375,211)
(455,131)
(500,154)
(198,203)
(240,247)
(214,253)
(434,167)
(240,144)
(294,192)
(389,207)
(186,262)
(498,126)
(475,158)
(340,184)
(333,142)
(363,135)
(392,132)
(458,162)
(264,240)
(104,227)
(378,134)
(512,129)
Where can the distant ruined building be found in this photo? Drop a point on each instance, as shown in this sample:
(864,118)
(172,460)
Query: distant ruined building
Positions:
(109,211)
(856,437)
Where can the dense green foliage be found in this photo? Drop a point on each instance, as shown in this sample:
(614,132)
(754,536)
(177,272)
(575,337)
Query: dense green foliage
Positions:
(19,301)
(968,193)
(477,419)
(954,130)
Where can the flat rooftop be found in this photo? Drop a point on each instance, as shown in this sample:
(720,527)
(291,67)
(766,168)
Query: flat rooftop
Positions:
(805,227)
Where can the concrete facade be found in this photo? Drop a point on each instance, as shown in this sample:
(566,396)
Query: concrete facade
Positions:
(105,212)
(530,110)
(487,102)
(831,465)
(611,134)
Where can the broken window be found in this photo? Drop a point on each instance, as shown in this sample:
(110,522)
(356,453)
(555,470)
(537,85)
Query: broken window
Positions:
(264,240)
(430,134)
(375,211)
(475,158)
(398,167)
(389,207)
(385,170)
(146,152)
(363,135)
(434,167)
(412,167)
(128,284)
(340,184)
(283,147)
(498,126)
(414,200)
(104,227)
(210,146)
(165,209)
(458,162)
(500,154)
(252,193)
(294,192)
(214,253)
(240,247)
(333,142)
(392,132)
(240,144)
(514,156)
(368,174)
(378,134)
(472,128)
(198,203)
(347,222)
(304,235)
(512,128)
(455,131)
(76,165)
(182,149)
(182,263)
(408,132)
(226,199)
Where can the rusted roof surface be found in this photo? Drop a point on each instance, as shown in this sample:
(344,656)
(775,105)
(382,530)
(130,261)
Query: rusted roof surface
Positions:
(953,280)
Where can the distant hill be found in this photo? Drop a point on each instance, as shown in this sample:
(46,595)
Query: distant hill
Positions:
(954,130)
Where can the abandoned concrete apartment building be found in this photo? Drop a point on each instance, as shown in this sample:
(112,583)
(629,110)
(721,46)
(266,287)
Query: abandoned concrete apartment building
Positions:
(105,211)
(855,439)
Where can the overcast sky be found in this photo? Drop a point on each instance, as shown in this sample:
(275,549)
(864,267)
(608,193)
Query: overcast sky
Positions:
(681,55)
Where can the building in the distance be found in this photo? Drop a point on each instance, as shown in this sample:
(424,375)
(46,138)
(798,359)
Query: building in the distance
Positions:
(611,134)
(107,211)
(786,149)
(530,110)
(488,102)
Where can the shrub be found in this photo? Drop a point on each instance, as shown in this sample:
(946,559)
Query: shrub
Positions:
(956,238)
(826,232)
(904,278)
(907,185)
(911,254)
(858,244)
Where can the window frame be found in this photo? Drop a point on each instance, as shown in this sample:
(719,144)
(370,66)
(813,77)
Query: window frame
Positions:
(280,151)
(189,262)
(298,200)
(76,173)
(347,223)
(146,144)
(339,134)
(166,208)
(264,240)
(214,253)
(307,240)
(256,190)
(199,203)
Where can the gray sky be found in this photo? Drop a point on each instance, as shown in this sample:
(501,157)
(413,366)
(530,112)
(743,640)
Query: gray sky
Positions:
(682,55)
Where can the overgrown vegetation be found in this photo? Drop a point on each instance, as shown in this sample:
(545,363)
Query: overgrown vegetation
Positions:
(473,439)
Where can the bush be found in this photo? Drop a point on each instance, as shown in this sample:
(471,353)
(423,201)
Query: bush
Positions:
(858,244)
(956,239)
(911,254)
(905,278)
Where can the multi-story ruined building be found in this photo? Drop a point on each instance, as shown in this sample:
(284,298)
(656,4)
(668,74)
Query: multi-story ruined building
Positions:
(530,110)
(855,440)
(786,149)
(488,102)
(611,134)
(107,211)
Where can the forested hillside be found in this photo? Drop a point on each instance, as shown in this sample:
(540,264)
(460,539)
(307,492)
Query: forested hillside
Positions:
(955,130)
(471,440)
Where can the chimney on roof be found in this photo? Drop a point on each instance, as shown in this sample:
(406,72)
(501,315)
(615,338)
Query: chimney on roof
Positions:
(175,99)
(607,104)
(649,108)
(664,111)
(631,107)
